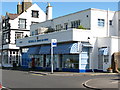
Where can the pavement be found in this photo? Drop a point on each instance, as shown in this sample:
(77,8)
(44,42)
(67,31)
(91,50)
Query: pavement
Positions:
(70,73)
(101,83)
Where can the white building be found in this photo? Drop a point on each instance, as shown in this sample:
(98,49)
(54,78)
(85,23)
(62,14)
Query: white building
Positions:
(16,26)
(77,49)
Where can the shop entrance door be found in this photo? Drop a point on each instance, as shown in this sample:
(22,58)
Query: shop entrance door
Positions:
(55,61)
(85,58)
(100,62)
(105,62)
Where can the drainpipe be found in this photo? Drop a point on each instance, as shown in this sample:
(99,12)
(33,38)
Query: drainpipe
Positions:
(108,22)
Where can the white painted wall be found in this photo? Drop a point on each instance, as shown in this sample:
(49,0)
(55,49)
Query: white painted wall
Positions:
(111,42)
(28,15)
(100,14)
(98,35)
(88,22)
(61,36)
(82,16)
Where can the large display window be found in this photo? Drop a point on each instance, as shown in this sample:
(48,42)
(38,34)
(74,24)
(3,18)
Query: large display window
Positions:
(70,61)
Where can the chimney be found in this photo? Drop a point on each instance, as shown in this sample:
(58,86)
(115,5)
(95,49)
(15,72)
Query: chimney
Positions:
(48,12)
(26,4)
(19,8)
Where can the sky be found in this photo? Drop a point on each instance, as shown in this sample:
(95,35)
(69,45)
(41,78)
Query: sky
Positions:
(61,8)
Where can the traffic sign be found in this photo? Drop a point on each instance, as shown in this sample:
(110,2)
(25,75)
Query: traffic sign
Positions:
(54,42)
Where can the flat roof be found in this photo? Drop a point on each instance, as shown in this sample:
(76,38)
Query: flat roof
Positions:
(75,13)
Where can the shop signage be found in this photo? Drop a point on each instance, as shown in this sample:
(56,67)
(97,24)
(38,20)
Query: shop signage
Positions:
(54,42)
(39,40)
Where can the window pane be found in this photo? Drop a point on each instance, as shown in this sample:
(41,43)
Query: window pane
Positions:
(22,23)
(101,22)
(35,14)
(70,61)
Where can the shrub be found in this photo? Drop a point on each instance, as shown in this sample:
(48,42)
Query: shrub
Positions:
(81,27)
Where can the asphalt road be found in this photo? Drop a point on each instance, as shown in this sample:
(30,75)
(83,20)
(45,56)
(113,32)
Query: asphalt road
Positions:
(20,79)
(23,79)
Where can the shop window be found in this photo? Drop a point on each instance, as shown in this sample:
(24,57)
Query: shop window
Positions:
(70,61)
(38,60)
(48,61)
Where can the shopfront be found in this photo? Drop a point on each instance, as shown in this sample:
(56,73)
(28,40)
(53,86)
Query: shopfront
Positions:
(66,57)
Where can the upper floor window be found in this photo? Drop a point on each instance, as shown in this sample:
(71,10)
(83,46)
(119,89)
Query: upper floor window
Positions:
(110,22)
(34,22)
(6,24)
(6,38)
(59,27)
(66,26)
(75,24)
(18,35)
(101,22)
(22,23)
(35,14)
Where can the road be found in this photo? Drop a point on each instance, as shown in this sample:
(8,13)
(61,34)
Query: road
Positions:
(23,79)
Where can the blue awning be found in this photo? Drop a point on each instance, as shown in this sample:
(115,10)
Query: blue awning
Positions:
(87,45)
(44,49)
(33,50)
(66,48)
(103,51)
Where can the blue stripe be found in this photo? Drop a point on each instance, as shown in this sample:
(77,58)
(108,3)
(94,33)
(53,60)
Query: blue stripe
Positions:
(85,70)
(70,70)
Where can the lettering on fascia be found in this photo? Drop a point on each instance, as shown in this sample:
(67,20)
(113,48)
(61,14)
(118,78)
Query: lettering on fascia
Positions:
(39,40)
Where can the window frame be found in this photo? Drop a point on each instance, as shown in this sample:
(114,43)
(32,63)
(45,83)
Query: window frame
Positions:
(33,15)
(21,23)
(110,22)
(101,22)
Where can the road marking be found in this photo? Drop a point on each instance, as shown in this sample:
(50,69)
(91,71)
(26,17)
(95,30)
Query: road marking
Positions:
(37,74)
(115,82)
